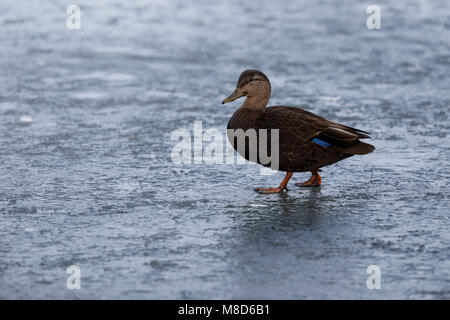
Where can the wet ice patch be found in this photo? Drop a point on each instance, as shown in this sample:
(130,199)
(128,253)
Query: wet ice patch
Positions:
(143,53)
(278,81)
(331,99)
(166,94)
(370,101)
(257,205)
(89,95)
(26,119)
(118,77)
(106,76)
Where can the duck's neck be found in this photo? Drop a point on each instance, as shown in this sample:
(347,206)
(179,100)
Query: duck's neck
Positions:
(256,103)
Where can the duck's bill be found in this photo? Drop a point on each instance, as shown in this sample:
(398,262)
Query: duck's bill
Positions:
(235,95)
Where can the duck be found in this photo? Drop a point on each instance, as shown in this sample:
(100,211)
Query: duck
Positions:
(305,141)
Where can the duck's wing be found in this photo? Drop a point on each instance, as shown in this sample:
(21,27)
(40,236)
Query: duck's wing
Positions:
(296,123)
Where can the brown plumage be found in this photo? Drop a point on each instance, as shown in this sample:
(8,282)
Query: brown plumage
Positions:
(307,142)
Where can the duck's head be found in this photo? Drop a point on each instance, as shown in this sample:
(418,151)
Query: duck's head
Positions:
(251,84)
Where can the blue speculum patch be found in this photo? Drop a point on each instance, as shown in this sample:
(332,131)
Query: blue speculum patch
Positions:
(321,142)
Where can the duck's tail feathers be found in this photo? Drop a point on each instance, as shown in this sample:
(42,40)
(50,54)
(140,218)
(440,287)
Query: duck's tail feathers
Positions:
(360,148)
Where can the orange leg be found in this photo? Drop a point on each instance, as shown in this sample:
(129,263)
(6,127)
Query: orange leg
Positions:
(282,186)
(314,181)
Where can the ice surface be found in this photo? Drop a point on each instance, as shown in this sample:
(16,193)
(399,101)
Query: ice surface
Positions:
(90,181)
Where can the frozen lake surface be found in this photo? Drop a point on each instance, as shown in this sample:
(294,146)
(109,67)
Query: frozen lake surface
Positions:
(86,176)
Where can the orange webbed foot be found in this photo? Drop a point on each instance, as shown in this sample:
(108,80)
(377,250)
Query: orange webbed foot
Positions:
(282,186)
(270,190)
(314,181)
